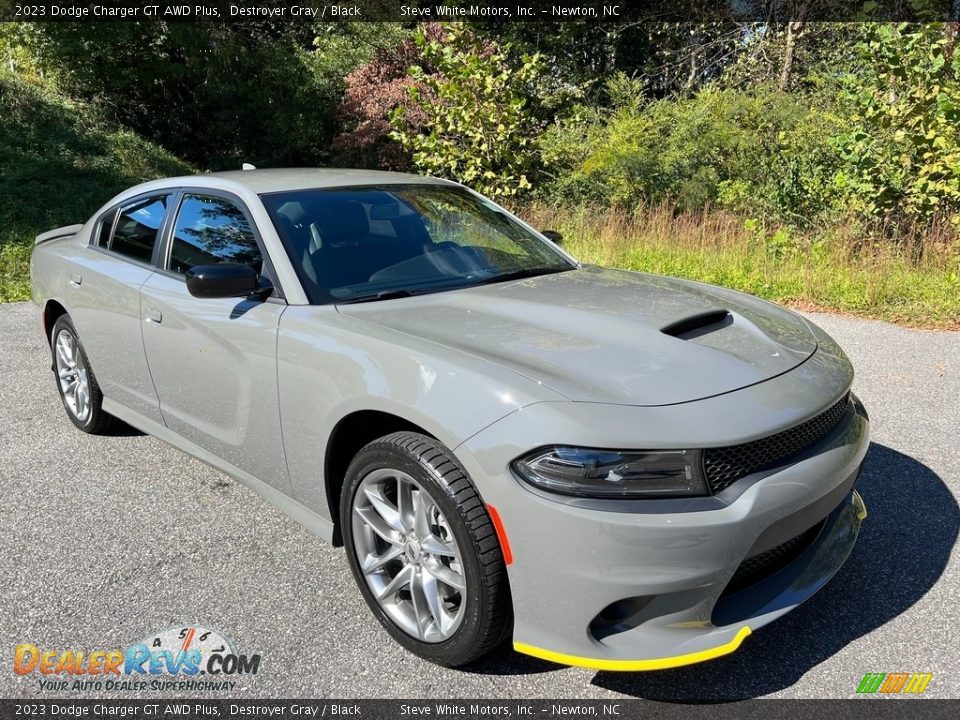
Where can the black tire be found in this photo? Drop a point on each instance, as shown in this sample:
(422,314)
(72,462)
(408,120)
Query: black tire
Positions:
(487,619)
(96,421)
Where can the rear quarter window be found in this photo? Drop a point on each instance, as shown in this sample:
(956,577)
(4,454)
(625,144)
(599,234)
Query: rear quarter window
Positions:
(106,229)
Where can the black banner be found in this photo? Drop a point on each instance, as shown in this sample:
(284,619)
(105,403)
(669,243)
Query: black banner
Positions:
(601,11)
(868,709)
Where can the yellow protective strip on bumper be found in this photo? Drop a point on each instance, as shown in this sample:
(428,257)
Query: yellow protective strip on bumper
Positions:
(635,665)
(860,505)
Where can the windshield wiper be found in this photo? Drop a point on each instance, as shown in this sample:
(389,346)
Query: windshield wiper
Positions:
(521,274)
(382,295)
(402,293)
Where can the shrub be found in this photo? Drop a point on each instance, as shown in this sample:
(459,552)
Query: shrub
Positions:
(469,118)
(373,92)
(758,151)
(901,151)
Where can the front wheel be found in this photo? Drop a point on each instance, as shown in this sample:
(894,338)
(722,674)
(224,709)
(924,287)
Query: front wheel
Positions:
(423,550)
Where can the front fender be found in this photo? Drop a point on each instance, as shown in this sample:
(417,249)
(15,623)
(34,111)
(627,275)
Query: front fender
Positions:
(330,366)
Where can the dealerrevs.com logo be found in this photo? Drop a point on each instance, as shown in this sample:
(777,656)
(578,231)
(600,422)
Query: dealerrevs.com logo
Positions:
(182,653)
(894,683)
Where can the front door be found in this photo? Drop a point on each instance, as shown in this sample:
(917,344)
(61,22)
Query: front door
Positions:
(213,361)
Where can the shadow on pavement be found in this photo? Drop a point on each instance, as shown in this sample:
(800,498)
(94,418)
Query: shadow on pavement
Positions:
(903,549)
(507,662)
(121,429)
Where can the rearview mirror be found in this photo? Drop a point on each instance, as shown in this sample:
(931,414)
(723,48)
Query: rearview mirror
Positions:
(390,211)
(225,280)
(553,236)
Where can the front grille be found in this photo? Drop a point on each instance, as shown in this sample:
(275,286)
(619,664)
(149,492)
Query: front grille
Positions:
(724,466)
(760,567)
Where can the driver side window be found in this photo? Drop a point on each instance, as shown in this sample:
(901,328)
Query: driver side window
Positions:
(211,230)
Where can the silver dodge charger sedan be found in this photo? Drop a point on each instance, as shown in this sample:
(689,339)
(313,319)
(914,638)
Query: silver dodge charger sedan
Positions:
(615,470)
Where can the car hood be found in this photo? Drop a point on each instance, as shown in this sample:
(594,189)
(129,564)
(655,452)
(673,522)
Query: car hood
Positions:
(597,335)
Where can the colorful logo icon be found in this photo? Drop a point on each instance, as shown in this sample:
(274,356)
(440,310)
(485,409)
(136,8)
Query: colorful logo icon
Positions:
(894,683)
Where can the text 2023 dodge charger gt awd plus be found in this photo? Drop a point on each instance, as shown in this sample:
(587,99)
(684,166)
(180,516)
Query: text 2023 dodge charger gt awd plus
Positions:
(614,469)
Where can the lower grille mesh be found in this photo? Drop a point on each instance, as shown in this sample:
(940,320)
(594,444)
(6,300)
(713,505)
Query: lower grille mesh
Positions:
(724,466)
(760,567)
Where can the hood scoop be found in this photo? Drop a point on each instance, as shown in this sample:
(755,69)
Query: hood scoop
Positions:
(700,324)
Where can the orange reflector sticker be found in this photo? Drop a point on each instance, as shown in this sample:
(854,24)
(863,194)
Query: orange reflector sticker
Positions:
(501,534)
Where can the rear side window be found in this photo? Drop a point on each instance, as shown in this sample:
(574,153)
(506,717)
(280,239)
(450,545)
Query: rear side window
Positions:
(211,230)
(138,226)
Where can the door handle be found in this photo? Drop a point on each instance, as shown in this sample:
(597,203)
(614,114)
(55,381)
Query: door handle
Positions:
(75,279)
(154,315)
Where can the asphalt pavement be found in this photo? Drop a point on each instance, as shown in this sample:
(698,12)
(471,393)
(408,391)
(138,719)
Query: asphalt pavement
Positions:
(105,540)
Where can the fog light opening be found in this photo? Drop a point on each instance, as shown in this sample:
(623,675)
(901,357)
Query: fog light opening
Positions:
(620,616)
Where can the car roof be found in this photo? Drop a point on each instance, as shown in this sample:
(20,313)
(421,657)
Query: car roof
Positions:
(262,182)
(286,179)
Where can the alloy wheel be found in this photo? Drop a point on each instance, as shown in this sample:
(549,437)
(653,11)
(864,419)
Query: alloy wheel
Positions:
(72,374)
(408,555)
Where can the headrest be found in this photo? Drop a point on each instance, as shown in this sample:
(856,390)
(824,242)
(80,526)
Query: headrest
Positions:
(344,222)
(291,211)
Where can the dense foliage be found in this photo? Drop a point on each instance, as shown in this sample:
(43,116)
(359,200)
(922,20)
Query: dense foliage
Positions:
(373,93)
(472,121)
(759,151)
(901,145)
(841,140)
(871,133)
(794,124)
(215,94)
(60,160)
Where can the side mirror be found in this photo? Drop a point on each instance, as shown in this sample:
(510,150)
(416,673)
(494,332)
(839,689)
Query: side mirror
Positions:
(225,280)
(553,236)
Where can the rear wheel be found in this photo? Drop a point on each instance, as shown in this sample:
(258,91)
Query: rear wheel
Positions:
(423,550)
(76,382)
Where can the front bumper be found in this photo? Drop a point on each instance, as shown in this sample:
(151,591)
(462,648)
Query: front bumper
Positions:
(645,591)
(759,604)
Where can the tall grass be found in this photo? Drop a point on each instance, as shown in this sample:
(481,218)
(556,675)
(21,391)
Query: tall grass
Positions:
(14,268)
(903,274)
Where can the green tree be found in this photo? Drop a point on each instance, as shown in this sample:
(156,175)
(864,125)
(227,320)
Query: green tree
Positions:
(216,94)
(480,129)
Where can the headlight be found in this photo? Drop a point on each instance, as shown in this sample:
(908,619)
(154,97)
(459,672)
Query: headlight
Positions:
(613,474)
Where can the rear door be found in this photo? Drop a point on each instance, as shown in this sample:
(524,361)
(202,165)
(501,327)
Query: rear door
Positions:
(213,361)
(103,298)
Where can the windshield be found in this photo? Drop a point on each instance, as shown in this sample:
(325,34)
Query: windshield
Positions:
(374,243)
